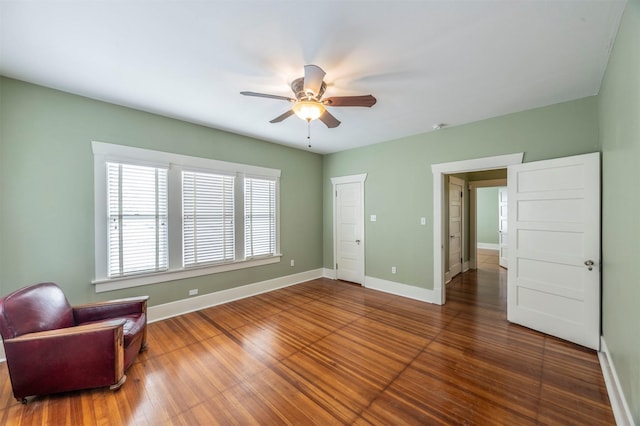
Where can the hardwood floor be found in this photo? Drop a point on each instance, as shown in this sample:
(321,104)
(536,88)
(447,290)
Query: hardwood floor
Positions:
(329,352)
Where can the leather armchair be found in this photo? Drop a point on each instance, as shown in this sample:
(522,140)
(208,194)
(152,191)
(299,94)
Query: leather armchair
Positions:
(53,347)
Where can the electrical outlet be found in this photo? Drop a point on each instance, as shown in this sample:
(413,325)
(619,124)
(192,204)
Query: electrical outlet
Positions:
(293,262)
(373,218)
(393,269)
(193,292)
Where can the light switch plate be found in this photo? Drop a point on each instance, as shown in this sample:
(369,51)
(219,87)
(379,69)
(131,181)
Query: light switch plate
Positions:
(423,221)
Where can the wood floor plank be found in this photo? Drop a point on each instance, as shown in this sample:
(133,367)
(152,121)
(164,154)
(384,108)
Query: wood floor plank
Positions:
(515,390)
(387,340)
(426,399)
(328,352)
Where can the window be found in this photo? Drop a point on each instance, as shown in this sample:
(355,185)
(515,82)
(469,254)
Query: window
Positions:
(164,217)
(208,233)
(259,217)
(137,208)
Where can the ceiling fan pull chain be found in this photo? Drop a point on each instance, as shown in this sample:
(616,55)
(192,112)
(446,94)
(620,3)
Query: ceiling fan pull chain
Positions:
(309,131)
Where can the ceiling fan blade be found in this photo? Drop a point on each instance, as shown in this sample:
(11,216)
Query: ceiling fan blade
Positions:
(282,116)
(313,76)
(264,95)
(344,101)
(329,120)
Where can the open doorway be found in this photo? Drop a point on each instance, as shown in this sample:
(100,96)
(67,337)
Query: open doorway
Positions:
(488,225)
(474,226)
(440,172)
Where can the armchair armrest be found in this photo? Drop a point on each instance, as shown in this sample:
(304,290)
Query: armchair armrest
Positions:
(79,357)
(59,333)
(110,309)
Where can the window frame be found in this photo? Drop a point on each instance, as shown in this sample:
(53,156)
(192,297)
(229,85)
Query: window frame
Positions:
(175,164)
(196,216)
(124,220)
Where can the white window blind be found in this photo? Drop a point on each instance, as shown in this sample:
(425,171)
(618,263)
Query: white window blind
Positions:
(208,218)
(137,214)
(259,217)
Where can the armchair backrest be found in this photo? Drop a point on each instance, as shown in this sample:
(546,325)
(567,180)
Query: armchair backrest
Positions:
(38,307)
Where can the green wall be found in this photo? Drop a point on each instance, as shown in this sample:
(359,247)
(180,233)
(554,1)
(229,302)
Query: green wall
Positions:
(46,190)
(487,215)
(619,114)
(399,185)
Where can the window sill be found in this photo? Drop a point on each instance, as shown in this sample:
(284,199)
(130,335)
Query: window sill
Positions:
(103,285)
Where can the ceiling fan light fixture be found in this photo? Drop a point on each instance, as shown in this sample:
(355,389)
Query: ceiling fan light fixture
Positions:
(308,110)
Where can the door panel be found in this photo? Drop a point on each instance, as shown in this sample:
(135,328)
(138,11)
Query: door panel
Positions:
(455,226)
(350,242)
(554,215)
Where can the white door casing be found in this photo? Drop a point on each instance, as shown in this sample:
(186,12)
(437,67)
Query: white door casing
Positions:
(349,241)
(554,247)
(503,226)
(455,226)
(439,172)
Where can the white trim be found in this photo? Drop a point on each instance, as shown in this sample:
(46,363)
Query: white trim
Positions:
(184,306)
(439,170)
(179,274)
(399,289)
(478,164)
(488,246)
(465,266)
(335,181)
(621,410)
(329,273)
(120,152)
(348,179)
(490,183)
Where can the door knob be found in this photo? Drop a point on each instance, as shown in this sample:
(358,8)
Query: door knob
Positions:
(590,264)
(358,242)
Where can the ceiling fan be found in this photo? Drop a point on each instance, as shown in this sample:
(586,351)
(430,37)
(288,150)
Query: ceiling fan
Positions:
(308,103)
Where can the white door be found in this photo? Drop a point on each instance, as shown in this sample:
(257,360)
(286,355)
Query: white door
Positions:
(455,226)
(554,247)
(503,228)
(349,235)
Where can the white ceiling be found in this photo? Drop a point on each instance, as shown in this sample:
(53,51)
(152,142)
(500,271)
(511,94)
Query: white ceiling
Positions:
(426,62)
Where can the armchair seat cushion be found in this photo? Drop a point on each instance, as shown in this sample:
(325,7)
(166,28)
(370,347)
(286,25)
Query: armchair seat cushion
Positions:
(133,326)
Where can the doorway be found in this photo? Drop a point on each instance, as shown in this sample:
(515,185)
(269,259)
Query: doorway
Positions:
(478,181)
(348,228)
(439,174)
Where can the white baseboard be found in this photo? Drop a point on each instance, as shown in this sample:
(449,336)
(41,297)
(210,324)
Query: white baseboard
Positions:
(447,277)
(619,405)
(183,306)
(329,273)
(399,289)
(488,246)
